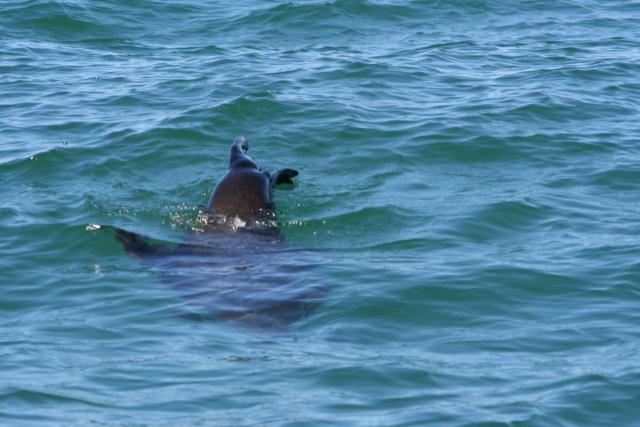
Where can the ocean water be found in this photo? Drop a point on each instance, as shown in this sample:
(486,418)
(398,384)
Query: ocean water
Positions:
(469,189)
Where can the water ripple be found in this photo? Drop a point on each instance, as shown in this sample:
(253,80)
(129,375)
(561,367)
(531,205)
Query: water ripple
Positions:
(467,189)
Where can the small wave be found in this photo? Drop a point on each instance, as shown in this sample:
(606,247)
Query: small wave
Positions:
(364,227)
(38,397)
(43,162)
(455,145)
(560,111)
(620,178)
(372,216)
(416,244)
(322,14)
(502,220)
(64,20)
(264,104)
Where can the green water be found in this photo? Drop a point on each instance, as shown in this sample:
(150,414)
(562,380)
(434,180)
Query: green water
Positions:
(469,180)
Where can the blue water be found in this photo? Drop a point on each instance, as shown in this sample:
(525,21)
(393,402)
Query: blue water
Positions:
(468,194)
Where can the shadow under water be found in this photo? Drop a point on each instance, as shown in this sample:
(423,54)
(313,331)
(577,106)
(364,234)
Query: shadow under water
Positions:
(242,277)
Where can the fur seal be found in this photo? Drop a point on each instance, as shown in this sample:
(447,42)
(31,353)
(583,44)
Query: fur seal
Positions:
(235,267)
(246,191)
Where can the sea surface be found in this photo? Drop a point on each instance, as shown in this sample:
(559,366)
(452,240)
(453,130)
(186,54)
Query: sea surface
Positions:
(469,188)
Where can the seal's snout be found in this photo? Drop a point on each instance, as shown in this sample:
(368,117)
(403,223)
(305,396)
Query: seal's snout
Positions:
(242,142)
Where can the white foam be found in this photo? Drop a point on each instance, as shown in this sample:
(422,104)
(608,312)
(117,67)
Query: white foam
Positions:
(237,222)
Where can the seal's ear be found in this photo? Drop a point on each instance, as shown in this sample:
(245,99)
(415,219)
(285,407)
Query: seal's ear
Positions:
(283,176)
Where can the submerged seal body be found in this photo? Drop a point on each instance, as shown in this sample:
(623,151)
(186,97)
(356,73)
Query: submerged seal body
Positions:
(235,267)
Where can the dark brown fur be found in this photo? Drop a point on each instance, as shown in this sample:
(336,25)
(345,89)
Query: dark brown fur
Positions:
(246,190)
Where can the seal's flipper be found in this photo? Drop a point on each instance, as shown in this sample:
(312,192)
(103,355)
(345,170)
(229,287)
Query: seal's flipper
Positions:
(283,176)
(136,245)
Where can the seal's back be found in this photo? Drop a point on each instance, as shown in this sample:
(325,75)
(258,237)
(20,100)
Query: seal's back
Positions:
(244,191)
